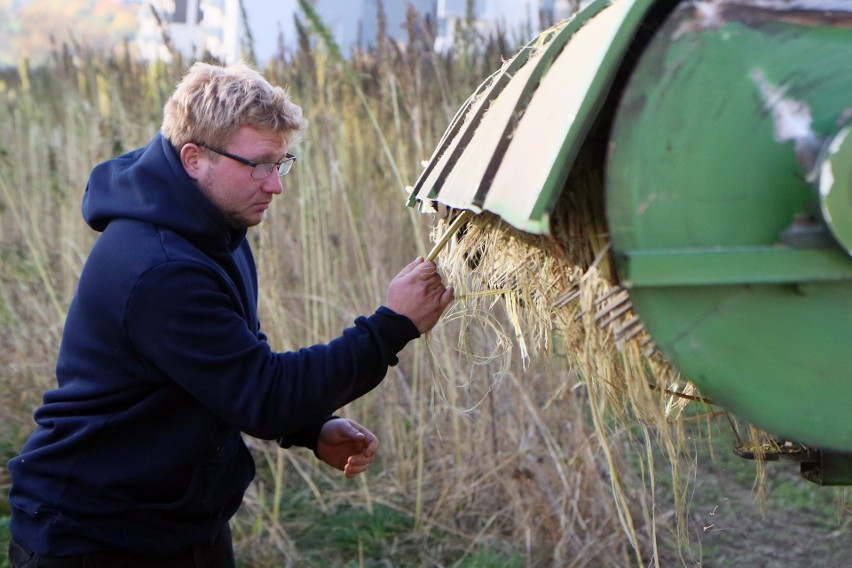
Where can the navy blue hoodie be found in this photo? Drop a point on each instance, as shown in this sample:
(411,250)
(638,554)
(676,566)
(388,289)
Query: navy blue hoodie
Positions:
(162,365)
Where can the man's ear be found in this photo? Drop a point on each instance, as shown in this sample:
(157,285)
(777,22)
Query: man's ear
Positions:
(192,159)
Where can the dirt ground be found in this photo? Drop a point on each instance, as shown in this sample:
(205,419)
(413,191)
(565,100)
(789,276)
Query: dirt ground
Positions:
(802,524)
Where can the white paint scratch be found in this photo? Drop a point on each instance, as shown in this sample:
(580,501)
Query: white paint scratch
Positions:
(708,16)
(792,119)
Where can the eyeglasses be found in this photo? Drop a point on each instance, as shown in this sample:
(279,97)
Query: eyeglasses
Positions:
(261,170)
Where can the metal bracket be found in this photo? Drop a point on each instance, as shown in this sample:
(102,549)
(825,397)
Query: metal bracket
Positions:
(730,266)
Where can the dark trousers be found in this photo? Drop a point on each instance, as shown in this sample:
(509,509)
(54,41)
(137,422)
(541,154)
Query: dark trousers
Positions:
(218,555)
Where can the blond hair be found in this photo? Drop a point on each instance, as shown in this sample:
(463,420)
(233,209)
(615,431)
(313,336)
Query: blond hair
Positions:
(212,102)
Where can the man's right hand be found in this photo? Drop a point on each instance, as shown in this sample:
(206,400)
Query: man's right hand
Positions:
(418,293)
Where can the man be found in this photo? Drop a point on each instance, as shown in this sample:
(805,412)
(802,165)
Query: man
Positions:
(137,458)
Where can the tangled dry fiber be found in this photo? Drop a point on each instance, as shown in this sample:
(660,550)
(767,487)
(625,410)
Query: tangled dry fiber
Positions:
(560,293)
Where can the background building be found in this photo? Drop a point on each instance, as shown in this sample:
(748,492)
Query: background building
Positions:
(222,27)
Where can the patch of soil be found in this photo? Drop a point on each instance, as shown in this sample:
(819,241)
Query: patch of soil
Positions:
(797,524)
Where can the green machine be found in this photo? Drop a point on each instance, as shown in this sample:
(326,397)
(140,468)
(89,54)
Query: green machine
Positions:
(728,189)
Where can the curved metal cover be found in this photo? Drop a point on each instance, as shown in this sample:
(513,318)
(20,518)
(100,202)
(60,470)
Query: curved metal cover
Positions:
(510,147)
(714,220)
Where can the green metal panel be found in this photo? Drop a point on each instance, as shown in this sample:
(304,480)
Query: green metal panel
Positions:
(741,265)
(835,187)
(714,151)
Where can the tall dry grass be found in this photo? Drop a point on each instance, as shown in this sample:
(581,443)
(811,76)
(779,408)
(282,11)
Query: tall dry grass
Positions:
(488,457)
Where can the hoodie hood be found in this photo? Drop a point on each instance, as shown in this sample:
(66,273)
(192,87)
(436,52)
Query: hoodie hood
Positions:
(149,184)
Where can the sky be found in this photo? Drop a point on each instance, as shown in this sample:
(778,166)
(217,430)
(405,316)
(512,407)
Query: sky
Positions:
(338,14)
(30,26)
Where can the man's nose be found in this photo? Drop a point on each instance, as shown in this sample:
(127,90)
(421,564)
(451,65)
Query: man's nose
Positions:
(272,184)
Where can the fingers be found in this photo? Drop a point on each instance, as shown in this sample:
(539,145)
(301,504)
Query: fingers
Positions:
(358,463)
(351,470)
(358,433)
(362,446)
(411,266)
(419,294)
(350,432)
(420,269)
(426,270)
(447,297)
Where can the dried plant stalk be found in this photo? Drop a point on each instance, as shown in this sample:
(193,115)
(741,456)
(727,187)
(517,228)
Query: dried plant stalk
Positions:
(559,294)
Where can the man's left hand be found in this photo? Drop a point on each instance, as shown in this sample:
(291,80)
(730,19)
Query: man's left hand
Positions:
(347,446)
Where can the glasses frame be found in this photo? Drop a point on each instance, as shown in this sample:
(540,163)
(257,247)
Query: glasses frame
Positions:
(283,166)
